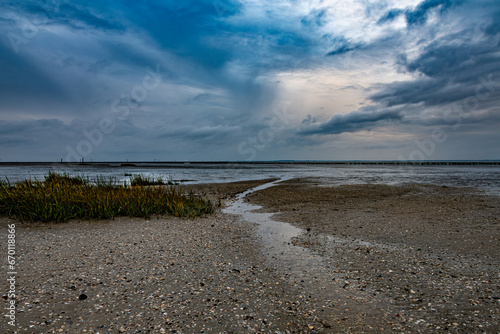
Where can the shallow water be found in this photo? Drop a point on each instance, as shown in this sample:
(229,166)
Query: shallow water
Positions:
(313,275)
(486,178)
(277,239)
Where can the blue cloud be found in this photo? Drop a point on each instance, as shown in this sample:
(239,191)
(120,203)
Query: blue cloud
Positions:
(494,27)
(341,50)
(391,15)
(316,18)
(419,14)
(220,60)
(22,78)
(342,46)
(77,16)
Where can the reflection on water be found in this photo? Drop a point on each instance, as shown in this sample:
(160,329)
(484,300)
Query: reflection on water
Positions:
(314,276)
(277,238)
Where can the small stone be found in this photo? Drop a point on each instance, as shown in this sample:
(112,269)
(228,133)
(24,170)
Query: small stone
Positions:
(82,296)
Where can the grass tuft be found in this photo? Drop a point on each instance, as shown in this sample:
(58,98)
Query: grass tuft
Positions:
(52,177)
(143,180)
(61,197)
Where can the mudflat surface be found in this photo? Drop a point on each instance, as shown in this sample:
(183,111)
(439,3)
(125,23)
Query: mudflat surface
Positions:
(385,259)
(203,275)
(426,256)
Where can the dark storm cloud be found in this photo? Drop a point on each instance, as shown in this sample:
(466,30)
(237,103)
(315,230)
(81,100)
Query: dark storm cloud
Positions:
(341,45)
(219,60)
(454,57)
(316,18)
(429,91)
(21,77)
(81,17)
(192,31)
(450,68)
(493,28)
(63,12)
(419,14)
(207,135)
(362,119)
(182,27)
(27,126)
(34,136)
(458,70)
(197,32)
(345,48)
(390,15)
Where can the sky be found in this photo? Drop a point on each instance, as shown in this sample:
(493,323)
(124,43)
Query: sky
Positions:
(249,80)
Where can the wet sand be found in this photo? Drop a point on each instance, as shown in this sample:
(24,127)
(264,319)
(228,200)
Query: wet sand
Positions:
(203,275)
(426,257)
(393,259)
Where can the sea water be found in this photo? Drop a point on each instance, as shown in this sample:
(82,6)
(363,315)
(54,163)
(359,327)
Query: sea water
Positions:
(483,177)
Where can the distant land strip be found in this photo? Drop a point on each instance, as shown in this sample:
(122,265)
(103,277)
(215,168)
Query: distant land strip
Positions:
(229,164)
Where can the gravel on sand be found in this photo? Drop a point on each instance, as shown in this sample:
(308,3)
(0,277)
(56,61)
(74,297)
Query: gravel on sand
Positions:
(427,257)
(131,275)
(412,258)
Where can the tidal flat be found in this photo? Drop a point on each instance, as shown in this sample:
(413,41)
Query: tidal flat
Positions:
(408,258)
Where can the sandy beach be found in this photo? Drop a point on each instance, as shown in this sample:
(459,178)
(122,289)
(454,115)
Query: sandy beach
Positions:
(412,259)
(425,258)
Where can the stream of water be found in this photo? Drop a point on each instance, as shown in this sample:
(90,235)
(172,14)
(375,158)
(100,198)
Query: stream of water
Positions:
(276,236)
(312,274)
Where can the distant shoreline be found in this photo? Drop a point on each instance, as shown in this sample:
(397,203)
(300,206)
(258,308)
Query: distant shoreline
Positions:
(187,164)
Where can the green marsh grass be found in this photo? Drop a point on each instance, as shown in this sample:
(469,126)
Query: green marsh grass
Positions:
(61,197)
(143,180)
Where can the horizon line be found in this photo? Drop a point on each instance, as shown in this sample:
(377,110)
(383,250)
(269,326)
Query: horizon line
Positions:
(283,161)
